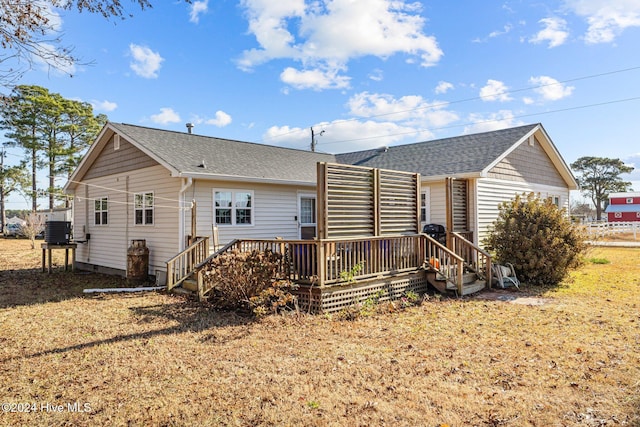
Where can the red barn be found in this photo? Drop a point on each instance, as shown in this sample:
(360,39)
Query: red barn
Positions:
(623,207)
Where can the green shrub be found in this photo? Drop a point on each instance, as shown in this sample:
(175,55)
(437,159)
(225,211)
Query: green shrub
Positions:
(537,238)
(253,281)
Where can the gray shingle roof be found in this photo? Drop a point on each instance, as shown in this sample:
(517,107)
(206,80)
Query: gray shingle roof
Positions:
(185,153)
(465,154)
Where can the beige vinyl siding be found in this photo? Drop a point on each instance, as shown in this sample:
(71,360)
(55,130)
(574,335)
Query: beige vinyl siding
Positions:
(275,208)
(437,202)
(492,192)
(528,163)
(108,244)
(111,161)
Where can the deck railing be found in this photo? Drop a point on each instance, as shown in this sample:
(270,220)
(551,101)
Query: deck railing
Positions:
(183,265)
(330,262)
(447,265)
(475,259)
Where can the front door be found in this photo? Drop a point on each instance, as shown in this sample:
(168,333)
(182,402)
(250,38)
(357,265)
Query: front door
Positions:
(307,216)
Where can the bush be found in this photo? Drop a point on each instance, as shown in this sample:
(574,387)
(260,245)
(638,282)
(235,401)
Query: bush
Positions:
(249,280)
(537,238)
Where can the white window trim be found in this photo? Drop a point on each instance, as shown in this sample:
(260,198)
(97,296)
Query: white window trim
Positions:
(629,200)
(95,212)
(233,192)
(144,208)
(617,214)
(427,217)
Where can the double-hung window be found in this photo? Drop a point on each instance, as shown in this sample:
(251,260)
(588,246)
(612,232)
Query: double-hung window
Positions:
(101,212)
(233,207)
(143,208)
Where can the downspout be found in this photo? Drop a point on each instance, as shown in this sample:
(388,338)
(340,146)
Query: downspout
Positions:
(186,184)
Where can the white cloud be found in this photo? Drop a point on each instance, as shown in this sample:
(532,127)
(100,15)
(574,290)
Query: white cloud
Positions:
(146,62)
(443,87)
(197,8)
(410,110)
(505,30)
(221,120)
(550,89)
(342,136)
(166,116)
(494,121)
(495,90)
(554,31)
(314,79)
(606,19)
(104,105)
(329,35)
(376,75)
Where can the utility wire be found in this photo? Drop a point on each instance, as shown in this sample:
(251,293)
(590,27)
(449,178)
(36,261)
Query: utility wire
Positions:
(459,101)
(486,121)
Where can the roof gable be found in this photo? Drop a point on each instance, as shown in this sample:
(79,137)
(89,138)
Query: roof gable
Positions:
(191,155)
(463,156)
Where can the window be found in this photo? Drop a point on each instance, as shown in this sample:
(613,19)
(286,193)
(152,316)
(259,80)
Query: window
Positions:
(617,215)
(101,216)
(629,200)
(425,214)
(556,201)
(116,142)
(307,210)
(233,207)
(143,207)
(637,214)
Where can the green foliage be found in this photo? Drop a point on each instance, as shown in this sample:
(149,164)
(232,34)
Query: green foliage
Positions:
(538,239)
(600,176)
(53,131)
(249,280)
(350,275)
(599,261)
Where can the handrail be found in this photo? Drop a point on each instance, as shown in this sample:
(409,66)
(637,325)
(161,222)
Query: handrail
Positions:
(476,259)
(181,266)
(446,263)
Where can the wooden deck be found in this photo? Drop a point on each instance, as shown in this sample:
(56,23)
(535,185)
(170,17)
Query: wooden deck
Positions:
(335,273)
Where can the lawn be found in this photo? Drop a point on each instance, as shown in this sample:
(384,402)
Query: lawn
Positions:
(568,356)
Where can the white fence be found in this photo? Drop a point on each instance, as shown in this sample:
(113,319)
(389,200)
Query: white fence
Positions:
(600,229)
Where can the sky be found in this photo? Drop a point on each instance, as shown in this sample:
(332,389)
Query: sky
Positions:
(363,73)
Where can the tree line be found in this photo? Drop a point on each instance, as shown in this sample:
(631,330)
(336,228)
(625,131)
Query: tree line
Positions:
(53,132)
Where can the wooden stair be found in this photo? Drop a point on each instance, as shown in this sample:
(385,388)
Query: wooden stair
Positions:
(471,283)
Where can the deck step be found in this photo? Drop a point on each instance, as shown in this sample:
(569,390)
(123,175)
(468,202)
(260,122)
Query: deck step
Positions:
(190,285)
(468,288)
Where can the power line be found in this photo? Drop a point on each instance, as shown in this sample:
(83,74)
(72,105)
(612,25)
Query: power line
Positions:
(459,101)
(486,121)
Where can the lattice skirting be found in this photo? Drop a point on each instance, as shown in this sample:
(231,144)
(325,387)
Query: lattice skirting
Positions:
(335,298)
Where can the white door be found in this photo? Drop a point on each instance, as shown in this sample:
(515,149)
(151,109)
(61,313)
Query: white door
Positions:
(307,216)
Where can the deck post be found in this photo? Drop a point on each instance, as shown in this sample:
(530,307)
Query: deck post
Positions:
(322,262)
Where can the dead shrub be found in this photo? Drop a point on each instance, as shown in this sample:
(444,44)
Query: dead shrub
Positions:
(254,280)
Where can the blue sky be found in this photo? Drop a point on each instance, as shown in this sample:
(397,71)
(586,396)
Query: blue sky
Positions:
(368,73)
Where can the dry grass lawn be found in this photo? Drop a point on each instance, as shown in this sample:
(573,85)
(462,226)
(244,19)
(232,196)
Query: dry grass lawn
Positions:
(155,359)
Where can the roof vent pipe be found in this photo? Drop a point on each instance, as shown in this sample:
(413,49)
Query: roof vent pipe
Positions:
(189,127)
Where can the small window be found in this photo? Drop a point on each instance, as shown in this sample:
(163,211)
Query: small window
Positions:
(101,216)
(629,200)
(116,142)
(233,207)
(143,207)
(637,214)
(307,210)
(617,215)
(556,201)
(425,216)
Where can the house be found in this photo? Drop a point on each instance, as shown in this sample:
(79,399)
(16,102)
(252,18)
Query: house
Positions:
(464,179)
(56,214)
(623,207)
(141,183)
